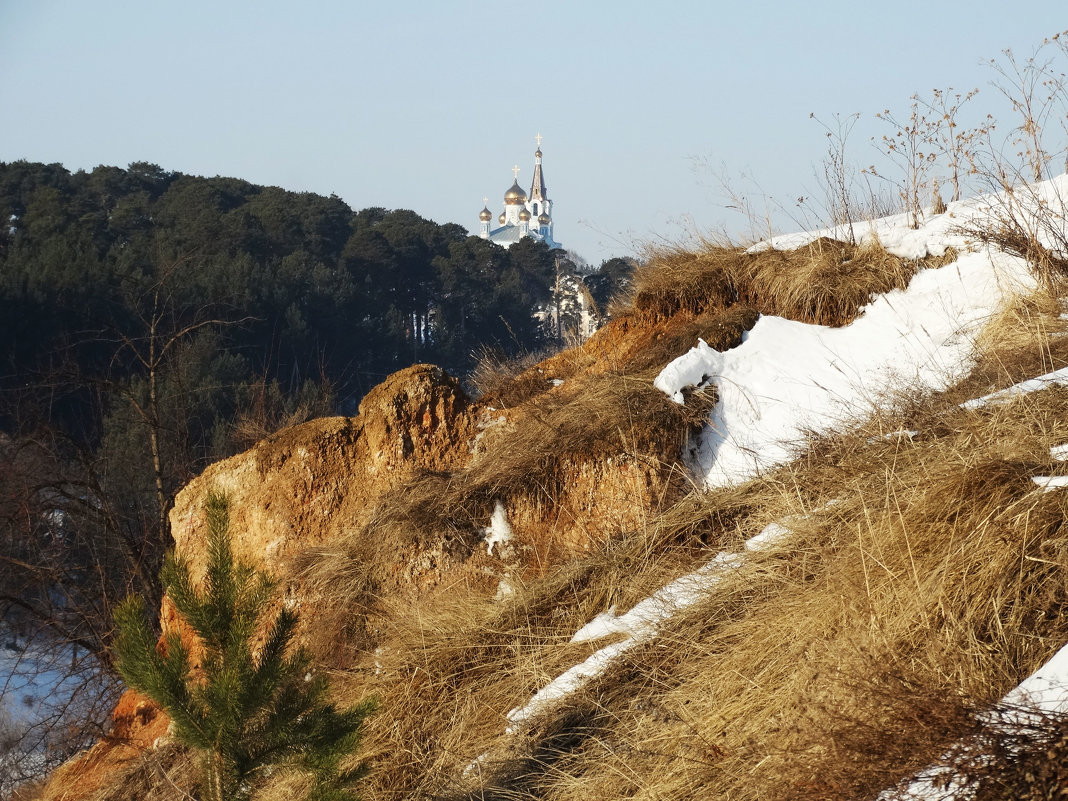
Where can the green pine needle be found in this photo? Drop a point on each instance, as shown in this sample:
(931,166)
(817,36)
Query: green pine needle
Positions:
(244,712)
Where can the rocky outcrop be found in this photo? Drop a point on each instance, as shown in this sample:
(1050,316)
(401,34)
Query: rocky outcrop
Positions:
(319,482)
(305,486)
(137,725)
(419,450)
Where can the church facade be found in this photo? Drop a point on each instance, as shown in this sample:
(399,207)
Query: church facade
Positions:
(526,214)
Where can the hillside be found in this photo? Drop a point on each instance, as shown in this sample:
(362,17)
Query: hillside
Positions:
(152,323)
(765,535)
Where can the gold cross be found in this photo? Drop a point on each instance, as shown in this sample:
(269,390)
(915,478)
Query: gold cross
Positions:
(485,201)
(539,137)
(515,173)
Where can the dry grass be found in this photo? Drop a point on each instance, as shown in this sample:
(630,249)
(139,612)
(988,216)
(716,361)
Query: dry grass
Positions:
(599,416)
(924,576)
(1025,339)
(828,668)
(167,773)
(825,282)
(505,381)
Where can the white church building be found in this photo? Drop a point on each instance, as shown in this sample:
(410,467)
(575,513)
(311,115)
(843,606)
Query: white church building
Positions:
(525,213)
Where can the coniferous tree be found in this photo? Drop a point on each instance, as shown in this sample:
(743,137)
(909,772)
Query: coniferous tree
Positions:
(245,712)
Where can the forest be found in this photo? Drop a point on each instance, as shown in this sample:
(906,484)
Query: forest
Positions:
(153,322)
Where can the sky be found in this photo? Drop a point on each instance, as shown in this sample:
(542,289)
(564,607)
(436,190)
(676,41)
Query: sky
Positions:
(643,108)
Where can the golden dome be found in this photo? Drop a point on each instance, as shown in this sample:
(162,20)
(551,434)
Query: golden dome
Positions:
(543,219)
(485,215)
(524,215)
(502,218)
(537,153)
(515,196)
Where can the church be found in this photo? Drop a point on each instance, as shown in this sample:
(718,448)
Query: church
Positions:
(525,214)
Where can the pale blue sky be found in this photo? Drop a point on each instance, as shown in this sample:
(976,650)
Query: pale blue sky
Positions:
(428,105)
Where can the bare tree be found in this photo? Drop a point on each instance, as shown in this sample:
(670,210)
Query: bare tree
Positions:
(160,327)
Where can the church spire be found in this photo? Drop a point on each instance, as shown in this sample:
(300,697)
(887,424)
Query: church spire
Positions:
(537,187)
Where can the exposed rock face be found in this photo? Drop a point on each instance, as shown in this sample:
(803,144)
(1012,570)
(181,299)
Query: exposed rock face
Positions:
(602,498)
(308,485)
(137,725)
(316,482)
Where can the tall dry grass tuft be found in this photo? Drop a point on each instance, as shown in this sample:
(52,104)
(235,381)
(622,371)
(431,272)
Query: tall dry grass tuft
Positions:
(826,282)
(507,381)
(677,280)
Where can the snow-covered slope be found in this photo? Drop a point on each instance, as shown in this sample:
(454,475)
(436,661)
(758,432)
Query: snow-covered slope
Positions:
(789,378)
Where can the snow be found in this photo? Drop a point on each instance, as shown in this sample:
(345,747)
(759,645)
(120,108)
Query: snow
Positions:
(1048,483)
(641,624)
(499,531)
(788,379)
(1059,452)
(890,436)
(505,589)
(1054,379)
(1044,691)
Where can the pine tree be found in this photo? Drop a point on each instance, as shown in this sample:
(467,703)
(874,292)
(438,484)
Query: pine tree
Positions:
(245,712)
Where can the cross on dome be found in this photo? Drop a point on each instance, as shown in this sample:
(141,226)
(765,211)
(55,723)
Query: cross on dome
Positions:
(539,137)
(515,173)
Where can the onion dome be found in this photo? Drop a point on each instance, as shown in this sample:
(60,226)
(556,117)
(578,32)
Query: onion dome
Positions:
(502,218)
(485,215)
(515,196)
(524,215)
(543,219)
(537,153)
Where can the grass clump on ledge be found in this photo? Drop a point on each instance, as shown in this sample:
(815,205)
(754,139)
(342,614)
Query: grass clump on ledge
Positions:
(599,417)
(825,282)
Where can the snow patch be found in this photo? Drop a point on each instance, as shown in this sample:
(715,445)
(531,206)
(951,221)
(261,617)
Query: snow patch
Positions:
(499,531)
(1050,483)
(641,623)
(505,589)
(1058,378)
